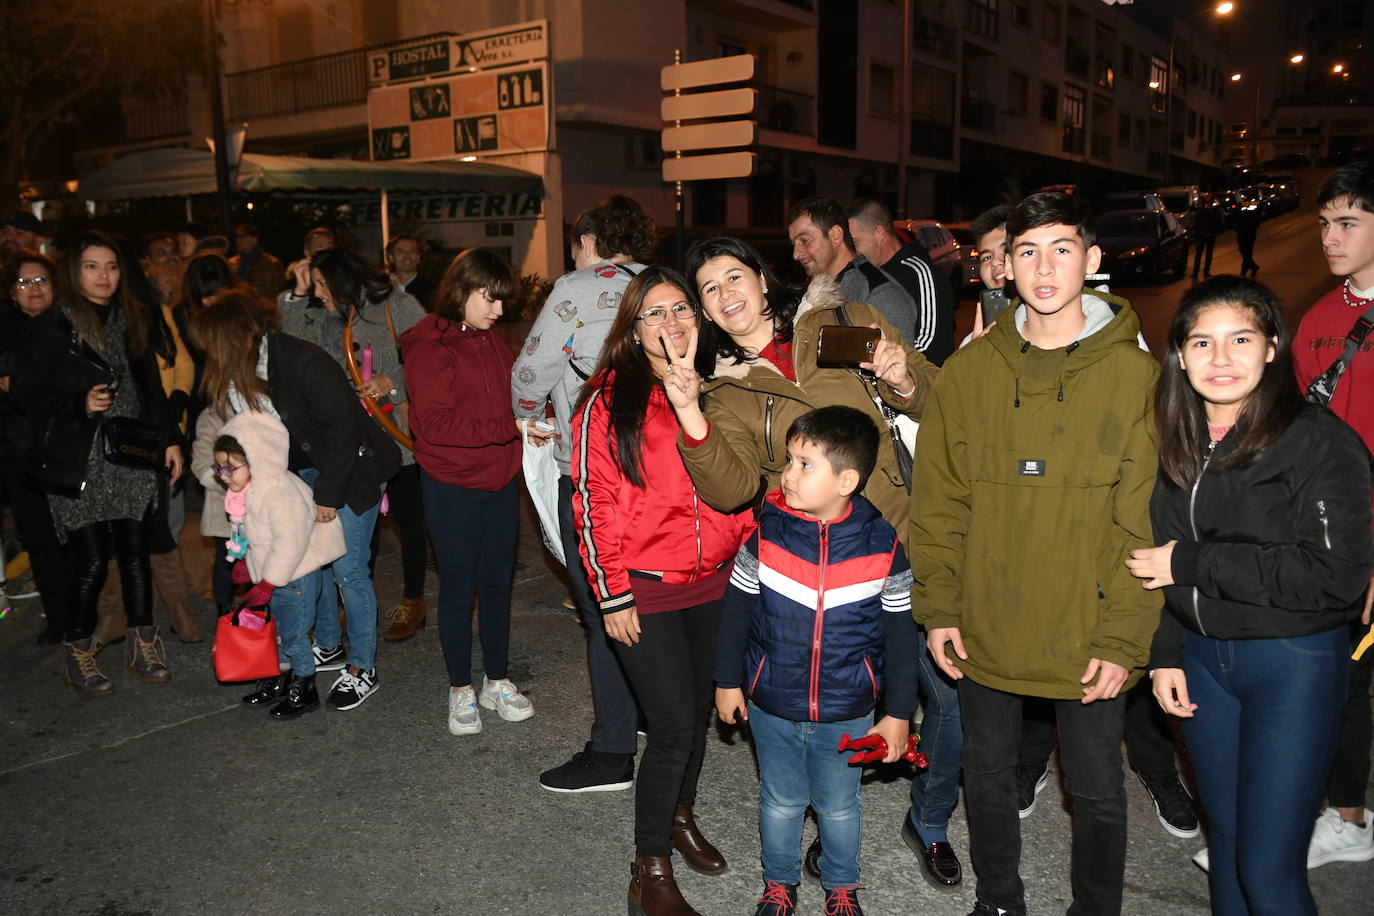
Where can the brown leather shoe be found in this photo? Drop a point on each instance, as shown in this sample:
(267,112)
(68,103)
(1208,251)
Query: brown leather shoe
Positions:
(653,892)
(406,618)
(79,670)
(144,655)
(169,583)
(696,850)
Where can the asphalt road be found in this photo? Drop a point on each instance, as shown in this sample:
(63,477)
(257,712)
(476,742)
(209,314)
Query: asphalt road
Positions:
(177,799)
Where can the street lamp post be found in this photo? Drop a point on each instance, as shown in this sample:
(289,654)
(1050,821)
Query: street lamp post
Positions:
(1221,9)
(222,188)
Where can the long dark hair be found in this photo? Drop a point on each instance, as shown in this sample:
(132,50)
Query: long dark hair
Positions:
(206,275)
(780,302)
(352,283)
(1180,414)
(627,393)
(84,319)
(230,333)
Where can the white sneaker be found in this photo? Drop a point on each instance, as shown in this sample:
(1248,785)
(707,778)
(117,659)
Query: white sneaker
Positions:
(1200,859)
(463,718)
(1336,840)
(509,703)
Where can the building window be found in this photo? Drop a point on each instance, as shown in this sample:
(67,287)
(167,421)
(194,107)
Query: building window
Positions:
(1074,103)
(1192,124)
(1123,129)
(1052,22)
(882,89)
(1018,92)
(1105,75)
(1049,102)
(1021,14)
(1127,57)
(1159,83)
(980,17)
(1139,133)
(932,112)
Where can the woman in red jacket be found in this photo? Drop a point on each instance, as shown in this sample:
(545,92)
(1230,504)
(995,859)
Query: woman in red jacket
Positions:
(468,447)
(658,558)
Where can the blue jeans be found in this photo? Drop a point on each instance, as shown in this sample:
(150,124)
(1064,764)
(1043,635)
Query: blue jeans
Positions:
(799,766)
(1262,741)
(350,573)
(293,608)
(935,790)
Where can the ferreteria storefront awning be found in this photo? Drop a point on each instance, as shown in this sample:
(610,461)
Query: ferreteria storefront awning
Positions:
(186,172)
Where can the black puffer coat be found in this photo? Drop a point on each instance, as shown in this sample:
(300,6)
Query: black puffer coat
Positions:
(1281,548)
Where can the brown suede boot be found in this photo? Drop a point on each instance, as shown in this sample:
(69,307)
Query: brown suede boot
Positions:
(406,618)
(145,656)
(169,579)
(696,850)
(653,892)
(79,670)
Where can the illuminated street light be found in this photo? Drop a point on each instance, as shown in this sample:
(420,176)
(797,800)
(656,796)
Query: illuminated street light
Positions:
(1224,8)
(1154,84)
(1296,59)
(1235,77)
(1339,68)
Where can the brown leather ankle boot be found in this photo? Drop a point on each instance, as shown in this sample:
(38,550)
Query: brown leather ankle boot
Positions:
(406,618)
(653,892)
(696,850)
(169,584)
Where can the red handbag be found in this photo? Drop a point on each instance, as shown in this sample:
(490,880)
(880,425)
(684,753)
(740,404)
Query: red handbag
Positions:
(246,645)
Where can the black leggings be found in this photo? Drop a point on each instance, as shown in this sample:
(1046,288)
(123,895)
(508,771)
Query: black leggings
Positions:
(407,512)
(49,559)
(670,669)
(91,549)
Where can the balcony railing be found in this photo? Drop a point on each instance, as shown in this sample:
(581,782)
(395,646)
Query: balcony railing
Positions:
(979,114)
(303,85)
(784,110)
(155,122)
(934,37)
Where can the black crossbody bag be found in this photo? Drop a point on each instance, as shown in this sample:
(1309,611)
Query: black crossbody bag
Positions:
(1323,387)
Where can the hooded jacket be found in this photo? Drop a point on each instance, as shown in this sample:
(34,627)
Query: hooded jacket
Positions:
(1279,548)
(751,405)
(663,529)
(1031,487)
(817,620)
(459,408)
(284,540)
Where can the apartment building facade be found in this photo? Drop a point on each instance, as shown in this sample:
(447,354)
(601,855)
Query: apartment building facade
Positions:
(1003,97)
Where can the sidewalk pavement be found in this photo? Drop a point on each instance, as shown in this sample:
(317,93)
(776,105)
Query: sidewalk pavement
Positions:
(177,799)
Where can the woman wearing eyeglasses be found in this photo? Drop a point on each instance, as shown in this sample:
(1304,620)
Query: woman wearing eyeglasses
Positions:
(658,560)
(28,281)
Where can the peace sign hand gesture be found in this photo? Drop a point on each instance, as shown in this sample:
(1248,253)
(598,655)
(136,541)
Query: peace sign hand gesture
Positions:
(682,384)
(680,381)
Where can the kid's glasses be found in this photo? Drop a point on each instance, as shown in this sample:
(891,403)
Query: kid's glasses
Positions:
(226,470)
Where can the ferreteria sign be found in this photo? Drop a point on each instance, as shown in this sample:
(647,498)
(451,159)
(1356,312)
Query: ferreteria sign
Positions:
(471,206)
(447,54)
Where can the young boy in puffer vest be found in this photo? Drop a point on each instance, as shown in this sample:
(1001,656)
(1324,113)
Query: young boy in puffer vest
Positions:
(816,626)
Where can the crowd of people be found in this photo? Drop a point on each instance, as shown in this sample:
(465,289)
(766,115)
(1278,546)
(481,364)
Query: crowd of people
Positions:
(1086,546)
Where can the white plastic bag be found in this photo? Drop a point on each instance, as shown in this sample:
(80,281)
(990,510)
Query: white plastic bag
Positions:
(541,479)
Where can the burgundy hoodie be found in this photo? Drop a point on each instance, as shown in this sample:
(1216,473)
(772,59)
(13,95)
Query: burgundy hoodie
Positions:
(459,384)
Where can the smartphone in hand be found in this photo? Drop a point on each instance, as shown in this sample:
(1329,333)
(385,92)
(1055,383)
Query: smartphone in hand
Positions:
(841,345)
(993,302)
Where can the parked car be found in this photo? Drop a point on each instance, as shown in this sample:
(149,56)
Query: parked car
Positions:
(963,234)
(1181,201)
(1141,243)
(1130,200)
(1239,202)
(945,253)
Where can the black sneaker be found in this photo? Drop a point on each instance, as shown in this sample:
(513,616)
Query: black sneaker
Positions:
(350,690)
(1030,781)
(329,659)
(1173,805)
(778,900)
(811,860)
(591,771)
(842,901)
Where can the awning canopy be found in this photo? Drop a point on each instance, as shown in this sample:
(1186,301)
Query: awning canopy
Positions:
(179,172)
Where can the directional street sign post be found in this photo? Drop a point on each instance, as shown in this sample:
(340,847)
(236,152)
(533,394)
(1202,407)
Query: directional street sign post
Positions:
(710,132)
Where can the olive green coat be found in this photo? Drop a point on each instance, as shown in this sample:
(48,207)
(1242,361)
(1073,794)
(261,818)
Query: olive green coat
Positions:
(751,405)
(1032,486)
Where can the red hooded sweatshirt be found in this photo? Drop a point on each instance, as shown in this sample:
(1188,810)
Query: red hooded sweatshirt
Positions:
(459,385)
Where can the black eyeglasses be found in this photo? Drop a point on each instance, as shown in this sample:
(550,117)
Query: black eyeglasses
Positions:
(655,317)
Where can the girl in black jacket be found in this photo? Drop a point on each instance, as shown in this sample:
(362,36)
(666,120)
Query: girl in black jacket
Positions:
(1263,510)
(81,363)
